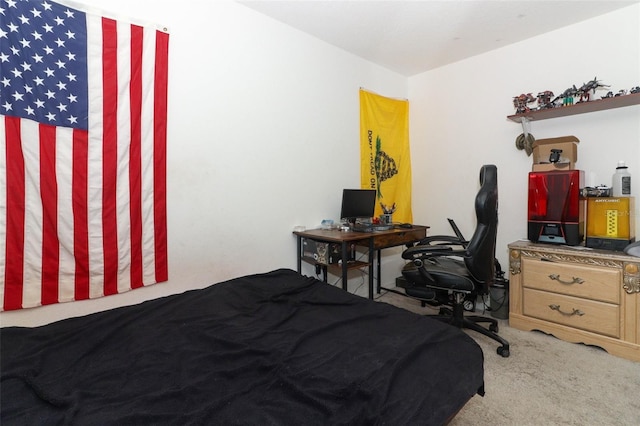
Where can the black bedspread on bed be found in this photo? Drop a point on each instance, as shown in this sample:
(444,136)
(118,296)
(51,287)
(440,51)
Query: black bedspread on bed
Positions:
(267,349)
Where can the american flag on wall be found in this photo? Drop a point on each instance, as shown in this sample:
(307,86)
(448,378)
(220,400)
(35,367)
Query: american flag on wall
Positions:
(83,104)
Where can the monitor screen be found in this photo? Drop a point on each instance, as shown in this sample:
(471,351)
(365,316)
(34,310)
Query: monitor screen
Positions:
(358,204)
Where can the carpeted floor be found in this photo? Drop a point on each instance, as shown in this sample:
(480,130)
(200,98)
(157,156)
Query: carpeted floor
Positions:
(547,381)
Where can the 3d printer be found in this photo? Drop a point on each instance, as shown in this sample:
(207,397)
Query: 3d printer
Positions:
(610,222)
(556,210)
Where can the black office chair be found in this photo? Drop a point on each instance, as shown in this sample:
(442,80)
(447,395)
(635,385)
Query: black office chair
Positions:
(451,271)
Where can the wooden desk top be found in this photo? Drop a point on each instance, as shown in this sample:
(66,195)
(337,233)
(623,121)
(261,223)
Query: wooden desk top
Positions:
(335,235)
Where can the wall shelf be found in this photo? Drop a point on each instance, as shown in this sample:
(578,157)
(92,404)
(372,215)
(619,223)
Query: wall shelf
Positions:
(578,108)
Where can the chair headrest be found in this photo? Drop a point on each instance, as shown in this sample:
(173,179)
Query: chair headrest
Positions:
(489,175)
(487,197)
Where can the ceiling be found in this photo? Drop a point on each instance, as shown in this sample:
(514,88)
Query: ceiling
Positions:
(410,37)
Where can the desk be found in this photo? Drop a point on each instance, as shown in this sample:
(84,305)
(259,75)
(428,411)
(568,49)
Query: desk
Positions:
(373,241)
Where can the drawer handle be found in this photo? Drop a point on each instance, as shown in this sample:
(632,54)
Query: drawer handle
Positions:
(569,314)
(575,280)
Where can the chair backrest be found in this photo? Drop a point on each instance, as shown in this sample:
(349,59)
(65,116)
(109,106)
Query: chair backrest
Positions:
(481,250)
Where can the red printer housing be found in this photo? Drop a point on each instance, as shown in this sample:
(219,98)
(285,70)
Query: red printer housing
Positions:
(556,209)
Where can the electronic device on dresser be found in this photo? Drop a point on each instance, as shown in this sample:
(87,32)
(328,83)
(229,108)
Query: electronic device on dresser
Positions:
(358,204)
(556,209)
(610,222)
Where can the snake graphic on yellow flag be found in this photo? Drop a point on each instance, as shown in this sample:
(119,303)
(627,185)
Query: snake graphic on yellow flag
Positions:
(384,153)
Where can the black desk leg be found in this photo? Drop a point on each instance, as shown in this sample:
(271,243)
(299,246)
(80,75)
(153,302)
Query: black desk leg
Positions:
(379,272)
(299,254)
(371,258)
(345,265)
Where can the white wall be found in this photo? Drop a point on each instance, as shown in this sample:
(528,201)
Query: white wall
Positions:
(263,135)
(264,130)
(458,120)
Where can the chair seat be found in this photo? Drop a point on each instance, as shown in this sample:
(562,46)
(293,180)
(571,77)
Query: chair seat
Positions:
(419,292)
(447,274)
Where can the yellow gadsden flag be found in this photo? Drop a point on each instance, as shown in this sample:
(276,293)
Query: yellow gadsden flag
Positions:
(384,153)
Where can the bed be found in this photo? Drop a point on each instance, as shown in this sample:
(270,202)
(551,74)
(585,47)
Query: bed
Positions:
(277,348)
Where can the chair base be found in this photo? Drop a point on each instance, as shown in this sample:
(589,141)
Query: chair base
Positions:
(472,322)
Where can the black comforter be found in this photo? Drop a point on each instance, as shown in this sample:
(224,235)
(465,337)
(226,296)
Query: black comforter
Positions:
(268,349)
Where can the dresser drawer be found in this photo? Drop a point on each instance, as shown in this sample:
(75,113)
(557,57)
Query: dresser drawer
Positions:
(589,315)
(590,282)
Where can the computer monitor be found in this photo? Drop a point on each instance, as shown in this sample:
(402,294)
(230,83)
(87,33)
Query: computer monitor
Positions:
(358,204)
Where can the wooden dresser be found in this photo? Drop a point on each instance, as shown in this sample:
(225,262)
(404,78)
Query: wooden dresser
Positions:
(577,294)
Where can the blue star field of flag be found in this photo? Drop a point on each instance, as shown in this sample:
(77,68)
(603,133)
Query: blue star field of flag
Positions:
(43,63)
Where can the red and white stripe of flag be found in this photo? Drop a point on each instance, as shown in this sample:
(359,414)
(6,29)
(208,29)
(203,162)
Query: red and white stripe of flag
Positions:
(83,213)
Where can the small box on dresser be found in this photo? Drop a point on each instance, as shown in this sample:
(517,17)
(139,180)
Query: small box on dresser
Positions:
(577,294)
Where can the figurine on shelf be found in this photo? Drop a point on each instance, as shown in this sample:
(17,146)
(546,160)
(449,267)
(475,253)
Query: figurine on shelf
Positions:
(635,89)
(567,96)
(608,95)
(621,92)
(521,102)
(545,100)
(589,88)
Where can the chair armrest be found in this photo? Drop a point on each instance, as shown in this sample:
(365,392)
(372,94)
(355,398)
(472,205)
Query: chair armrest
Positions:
(442,239)
(422,251)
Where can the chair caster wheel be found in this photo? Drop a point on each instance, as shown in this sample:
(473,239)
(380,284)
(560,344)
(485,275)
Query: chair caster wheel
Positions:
(469,306)
(503,351)
(493,327)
